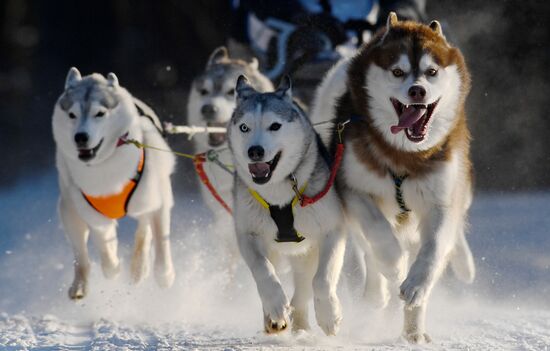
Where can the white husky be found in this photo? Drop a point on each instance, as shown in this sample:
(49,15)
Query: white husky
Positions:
(277,160)
(406,173)
(211,103)
(102,179)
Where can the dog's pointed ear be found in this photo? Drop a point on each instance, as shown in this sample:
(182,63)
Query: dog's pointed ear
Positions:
(112,79)
(436,27)
(73,77)
(254,64)
(243,88)
(284,90)
(217,55)
(391,21)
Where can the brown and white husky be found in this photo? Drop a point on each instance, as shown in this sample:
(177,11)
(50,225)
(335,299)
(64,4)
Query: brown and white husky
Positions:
(406,172)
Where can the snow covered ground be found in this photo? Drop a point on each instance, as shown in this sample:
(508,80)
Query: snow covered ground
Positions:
(507,308)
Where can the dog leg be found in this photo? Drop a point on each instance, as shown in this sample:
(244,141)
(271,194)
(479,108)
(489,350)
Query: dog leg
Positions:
(164,268)
(77,232)
(107,243)
(276,306)
(303,268)
(380,236)
(139,267)
(462,260)
(327,305)
(438,237)
(355,269)
(376,293)
(414,325)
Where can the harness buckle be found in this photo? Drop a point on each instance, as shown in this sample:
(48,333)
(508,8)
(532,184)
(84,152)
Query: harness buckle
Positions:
(340,129)
(294,183)
(212,155)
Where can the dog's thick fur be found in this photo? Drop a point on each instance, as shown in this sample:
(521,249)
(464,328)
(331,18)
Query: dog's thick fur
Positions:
(211,103)
(275,123)
(105,111)
(438,189)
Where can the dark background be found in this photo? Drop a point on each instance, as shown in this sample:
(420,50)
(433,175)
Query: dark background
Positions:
(157,47)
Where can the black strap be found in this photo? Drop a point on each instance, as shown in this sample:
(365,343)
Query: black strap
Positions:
(398,182)
(284,220)
(136,180)
(323,150)
(142,113)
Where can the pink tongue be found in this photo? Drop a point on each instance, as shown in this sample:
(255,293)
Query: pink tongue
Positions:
(259,170)
(410,116)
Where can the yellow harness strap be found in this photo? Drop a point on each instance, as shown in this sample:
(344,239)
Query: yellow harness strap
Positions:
(114,206)
(264,203)
(283,217)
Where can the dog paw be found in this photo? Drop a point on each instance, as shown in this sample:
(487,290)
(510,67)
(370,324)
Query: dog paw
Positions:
(78,290)
(328,312)
(277,320)
(417,338)
(139,269)
(414,290)
(165,276)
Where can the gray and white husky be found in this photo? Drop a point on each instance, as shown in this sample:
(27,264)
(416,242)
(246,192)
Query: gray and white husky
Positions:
(102,179)
(211,103)
(275,147)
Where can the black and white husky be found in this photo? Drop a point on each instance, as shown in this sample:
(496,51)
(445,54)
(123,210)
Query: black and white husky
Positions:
(277,161)
(102,179)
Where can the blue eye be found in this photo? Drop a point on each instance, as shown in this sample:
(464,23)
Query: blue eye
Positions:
(275,126)
(244,128)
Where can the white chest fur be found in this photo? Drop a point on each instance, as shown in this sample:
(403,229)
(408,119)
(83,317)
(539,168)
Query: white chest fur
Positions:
(312,222)
(420,194)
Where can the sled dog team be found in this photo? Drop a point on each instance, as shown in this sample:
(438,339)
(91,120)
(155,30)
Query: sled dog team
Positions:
(384,148)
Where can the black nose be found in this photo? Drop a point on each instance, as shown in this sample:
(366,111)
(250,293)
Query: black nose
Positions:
(81,139)
(256,153)
(209,111)
(417,93)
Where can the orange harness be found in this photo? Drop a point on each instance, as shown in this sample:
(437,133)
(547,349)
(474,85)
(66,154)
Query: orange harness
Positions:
(115,206)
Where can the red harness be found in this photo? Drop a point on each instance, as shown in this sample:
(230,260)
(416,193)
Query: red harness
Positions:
(305,200)
(198,161)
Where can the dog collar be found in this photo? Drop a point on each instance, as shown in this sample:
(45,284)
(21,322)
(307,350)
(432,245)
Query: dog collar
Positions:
(115,206)
(283,217)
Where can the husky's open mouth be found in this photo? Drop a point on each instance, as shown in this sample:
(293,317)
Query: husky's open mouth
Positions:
(216,139)
(414,119)
(88,154)
(261,171)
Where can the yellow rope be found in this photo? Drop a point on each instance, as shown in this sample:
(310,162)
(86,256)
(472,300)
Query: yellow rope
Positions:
(141,146)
